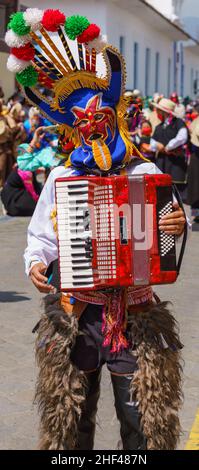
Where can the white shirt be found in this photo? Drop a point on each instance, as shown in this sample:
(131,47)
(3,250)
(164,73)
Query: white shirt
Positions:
(42,240)
(179,140)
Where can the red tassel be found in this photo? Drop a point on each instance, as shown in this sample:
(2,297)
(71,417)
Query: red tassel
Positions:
(114,322)
(26,52)
(90,33)
(53,19)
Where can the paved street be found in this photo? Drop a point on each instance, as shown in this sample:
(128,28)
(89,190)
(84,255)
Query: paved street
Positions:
(19,311)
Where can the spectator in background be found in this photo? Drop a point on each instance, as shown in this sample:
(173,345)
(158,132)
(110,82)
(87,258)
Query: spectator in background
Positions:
(16,117)
(6,144)
(34,121)
(134,114)
(152,115)
(21,190)
(179,106)
(145,138)
(193,170)
(168,141)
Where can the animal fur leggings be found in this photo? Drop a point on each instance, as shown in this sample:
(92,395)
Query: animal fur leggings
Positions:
(62,390)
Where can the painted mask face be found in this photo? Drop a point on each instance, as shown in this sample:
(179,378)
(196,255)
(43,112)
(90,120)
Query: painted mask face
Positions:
(95,121)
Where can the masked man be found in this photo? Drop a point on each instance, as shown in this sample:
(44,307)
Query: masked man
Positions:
(79,333)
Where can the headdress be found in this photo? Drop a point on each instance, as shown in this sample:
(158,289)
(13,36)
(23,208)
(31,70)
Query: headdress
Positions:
(79,96)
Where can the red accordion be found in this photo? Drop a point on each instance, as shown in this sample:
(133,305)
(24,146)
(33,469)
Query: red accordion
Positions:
(108,231)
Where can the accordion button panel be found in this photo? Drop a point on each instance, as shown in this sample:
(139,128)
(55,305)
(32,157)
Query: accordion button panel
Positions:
(75,248)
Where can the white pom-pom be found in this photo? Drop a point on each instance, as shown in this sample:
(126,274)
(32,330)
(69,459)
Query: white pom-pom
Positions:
(13,40)
(98,44)
(33,17)
(16,65)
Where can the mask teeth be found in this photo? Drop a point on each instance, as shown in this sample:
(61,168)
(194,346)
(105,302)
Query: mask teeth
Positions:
(67,49)
(81,57)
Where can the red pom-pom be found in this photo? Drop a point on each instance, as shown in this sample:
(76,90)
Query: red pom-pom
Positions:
(45,81)
(52,19)
(90,33)
(26,52)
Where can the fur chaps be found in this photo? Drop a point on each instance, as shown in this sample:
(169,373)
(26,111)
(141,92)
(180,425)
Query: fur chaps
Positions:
(156,384)
(61,387)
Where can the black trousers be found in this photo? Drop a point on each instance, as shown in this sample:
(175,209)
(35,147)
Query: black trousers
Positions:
(126,410)
(89,355)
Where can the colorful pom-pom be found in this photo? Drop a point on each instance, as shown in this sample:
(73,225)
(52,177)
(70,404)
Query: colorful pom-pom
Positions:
(33,18)
(16,65)
(76,25)
(28,77)
(90,33)
(18,24)
(13,40)
(52,19)
(98,44)
(26,52)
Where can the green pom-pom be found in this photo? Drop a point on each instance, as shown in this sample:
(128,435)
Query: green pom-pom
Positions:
(28,76)
(75,25)
(18,24)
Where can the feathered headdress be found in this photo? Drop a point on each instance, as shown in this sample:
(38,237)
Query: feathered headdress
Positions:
(36,59)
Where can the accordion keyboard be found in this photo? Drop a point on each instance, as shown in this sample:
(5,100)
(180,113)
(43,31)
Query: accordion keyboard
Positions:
(75,246)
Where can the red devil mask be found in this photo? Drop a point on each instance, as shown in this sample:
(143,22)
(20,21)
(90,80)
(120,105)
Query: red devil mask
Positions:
(95,122)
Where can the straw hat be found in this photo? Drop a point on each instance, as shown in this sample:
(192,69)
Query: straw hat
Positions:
(165,105)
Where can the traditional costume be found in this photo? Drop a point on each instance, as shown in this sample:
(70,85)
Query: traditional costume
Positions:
(173,134)
(193,171)
(134,334)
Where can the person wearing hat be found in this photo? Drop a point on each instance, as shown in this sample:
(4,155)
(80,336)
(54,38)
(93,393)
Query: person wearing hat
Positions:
(168,142)
(79,332)
(193,169)
(6,144)
(152,114)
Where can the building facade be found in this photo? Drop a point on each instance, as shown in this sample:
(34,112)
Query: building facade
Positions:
(7,7)
(152,43)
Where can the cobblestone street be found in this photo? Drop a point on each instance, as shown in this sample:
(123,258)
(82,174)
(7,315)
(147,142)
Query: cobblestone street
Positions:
(19,311)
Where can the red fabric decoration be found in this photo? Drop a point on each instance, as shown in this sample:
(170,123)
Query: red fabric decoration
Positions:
(26,52)
(90,33)
(52,19)
(69,146)
(44,80)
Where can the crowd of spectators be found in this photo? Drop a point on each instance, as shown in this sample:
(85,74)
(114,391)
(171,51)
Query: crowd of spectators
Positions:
(165,130)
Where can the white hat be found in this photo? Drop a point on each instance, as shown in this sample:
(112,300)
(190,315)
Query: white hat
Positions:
(33,112)
(128,94)
(165,105)
(136,93)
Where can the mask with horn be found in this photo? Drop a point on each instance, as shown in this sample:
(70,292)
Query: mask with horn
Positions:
(89,109)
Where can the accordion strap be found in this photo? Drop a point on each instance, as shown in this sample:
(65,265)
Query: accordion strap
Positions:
(184,240)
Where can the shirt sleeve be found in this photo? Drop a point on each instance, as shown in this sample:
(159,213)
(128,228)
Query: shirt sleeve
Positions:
(180,139)
(42,241)
(153,145)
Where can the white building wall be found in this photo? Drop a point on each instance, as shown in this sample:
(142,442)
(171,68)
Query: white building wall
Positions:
(191,60)
(166,7)
(133,29)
